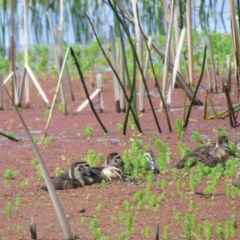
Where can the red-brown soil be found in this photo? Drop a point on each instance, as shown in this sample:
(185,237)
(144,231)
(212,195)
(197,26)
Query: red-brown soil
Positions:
(69,144)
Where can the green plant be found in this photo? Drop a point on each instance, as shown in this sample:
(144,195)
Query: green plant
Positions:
(8,208)
(166,233)
(11,174)
(88,132)
(197,138)
(96,229)
(99,207)
(47,141)
(208,229)
(93,158)
(58,171)
(146,232)
(179,128)
(18,202)
(119,127)
(23,184)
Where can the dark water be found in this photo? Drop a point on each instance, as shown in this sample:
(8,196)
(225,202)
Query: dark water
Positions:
(76,29)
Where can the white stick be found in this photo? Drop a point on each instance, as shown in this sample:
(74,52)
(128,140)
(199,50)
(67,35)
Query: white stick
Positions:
(176,64)
(37,85)
(99,86)
(8,77)
(86,102)
(27,91)
(57,90)
(167,54)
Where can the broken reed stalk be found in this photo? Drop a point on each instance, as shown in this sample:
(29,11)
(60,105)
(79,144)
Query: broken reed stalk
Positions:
(205,105)
(12,138)
(86,90)
(225,113)
(190,43)
(197,87)
(56,93)
(229,70)
(232,117)
(209,40)
(139,54)
(176,66)
(157,237)
(122,72)
(117,76)
(27,90)
(137,60)
(235,37)
(1,92)
(167,53)
(51,190)
(114,60)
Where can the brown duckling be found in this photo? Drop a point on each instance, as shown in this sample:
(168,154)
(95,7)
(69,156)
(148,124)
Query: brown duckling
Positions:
(63,182)
(209,155)
(236,181)
(76,176)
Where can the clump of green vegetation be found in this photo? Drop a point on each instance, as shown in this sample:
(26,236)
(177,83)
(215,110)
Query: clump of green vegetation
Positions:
(197,138)
(96,229)
(35,163)
(10,174)
(94,159)
(179,128)
(88,132)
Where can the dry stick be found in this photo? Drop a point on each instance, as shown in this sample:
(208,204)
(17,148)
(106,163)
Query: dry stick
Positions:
(114,59)
(180,80)
(116,74)
(205,105)
(176,66)
(10,137)
(225,113)
(37,85)
(139,66)
(67,70)
(235,37)
(157,232)
(122,72)
(56,93)
(213,62)
(85,89)
(139,54)
(51,190)
(229,69)
(233,120)
(190,44)
(198,85)
(99,86)
(13,49)
(167,54)
(1,92)
(27,90)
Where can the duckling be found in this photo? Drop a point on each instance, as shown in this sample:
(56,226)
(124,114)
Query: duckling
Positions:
(80,171)
(209,155)
(114,159)
(152,161)
(111,173)
(62,183)
(236,181)
(76,176)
